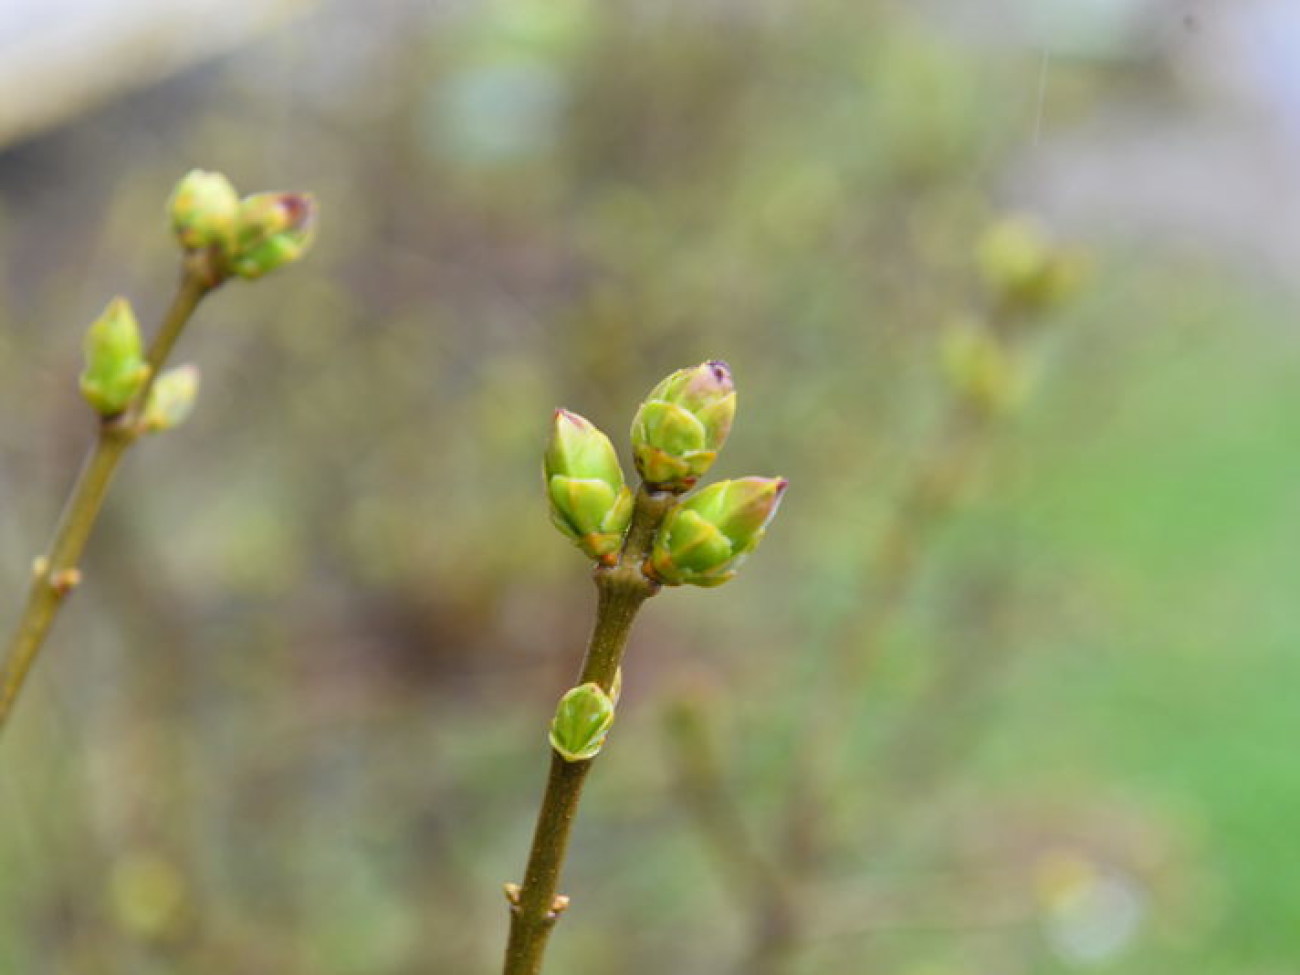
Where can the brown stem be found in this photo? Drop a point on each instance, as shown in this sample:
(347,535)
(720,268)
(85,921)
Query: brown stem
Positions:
(621,589)
(55,575)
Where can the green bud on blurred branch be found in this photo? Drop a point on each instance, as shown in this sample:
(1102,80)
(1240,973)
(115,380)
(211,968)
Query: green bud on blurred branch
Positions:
(1025,270)
(982,369)
(219,236)
(582,720)
(203,208)
(249,237)
(584,482)
(272,229)
(704,539)
(171,399)
(681,426)
(115,367)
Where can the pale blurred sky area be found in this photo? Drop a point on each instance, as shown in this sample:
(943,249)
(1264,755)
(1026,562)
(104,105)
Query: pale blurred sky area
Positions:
(1216,168)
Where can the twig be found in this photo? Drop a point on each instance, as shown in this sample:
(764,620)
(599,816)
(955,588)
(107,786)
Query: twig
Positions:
(56,574)
(622,588)
(750,873)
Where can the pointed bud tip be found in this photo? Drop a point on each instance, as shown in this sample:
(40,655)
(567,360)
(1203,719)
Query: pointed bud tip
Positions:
(561,415)
(720,371)
(300,208)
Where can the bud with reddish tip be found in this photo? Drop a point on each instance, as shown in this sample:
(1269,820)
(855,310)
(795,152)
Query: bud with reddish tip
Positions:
(115,368)
(271,230)
(203,208)
(582,720)
(681,426)
(705,538)
(584,482)
(171,399)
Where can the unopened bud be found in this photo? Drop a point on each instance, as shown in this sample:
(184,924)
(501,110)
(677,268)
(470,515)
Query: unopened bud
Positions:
(115,368)
(705,538)
(582,720)
(588,500)
(271,230)
(983,369)
(148,895)
(682,424)
(203,208)
(1024,269)
(171,399)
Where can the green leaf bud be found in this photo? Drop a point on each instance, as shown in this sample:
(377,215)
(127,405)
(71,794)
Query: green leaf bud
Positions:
(983,369)
(115,368)
(589,502)
(582,720)
(171,399)
(704,539)
(203,208)
(1024,269)
(681,426)
(271,230)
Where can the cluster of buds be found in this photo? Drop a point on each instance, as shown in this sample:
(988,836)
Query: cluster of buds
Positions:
(676,435)
(700,540)
(1025,275)
(246,237)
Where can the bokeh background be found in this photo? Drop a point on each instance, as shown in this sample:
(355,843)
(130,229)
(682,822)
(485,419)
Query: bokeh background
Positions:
(293,723)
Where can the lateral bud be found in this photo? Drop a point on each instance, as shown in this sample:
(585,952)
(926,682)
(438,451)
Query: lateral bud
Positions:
(171,399)
(115,368)
(704,540)
(582,720)
(982,369)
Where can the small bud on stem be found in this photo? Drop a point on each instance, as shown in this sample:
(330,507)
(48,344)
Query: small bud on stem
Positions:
(115,367)
(582,720)
(171,399)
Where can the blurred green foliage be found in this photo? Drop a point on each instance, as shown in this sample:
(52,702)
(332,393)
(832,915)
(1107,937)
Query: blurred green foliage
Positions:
(295,721)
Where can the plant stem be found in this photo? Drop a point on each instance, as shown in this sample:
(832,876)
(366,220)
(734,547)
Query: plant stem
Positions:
(776,921)
(55,575)
(621,589)
(749,873)
(927,499)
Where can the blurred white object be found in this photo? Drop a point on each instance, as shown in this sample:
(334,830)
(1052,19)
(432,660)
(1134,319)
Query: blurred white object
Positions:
(1091,912)
(59,57)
